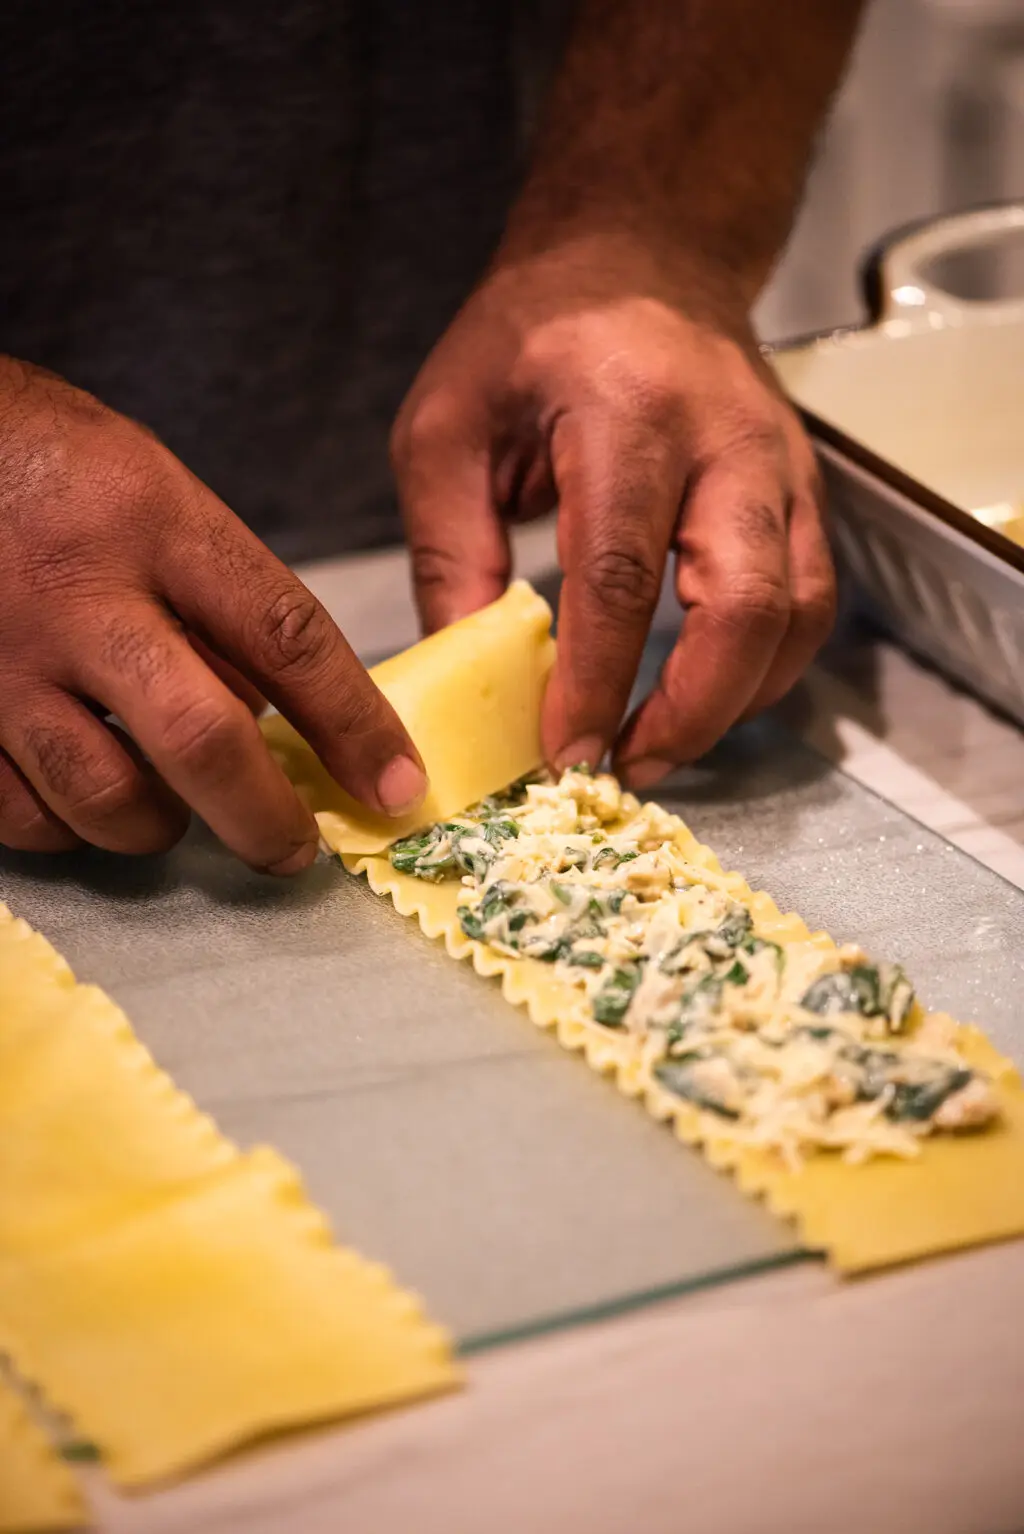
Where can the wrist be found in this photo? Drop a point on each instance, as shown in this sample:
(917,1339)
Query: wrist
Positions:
(604,259)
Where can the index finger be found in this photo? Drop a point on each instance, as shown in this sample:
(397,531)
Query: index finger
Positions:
(619,485)
(200,738)
(458,542)
(241,600)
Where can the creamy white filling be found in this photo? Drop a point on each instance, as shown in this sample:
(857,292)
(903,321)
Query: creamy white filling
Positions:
(602,887)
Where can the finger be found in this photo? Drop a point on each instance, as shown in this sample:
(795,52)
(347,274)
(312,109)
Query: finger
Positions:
(200,738)
(619,485)
(242,688)
(812,590)
(523,484)
(26,823)
(90,776)
(458,542)
(732,578)
(252,610)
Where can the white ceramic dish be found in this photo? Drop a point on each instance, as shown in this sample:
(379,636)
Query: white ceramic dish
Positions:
(919,422)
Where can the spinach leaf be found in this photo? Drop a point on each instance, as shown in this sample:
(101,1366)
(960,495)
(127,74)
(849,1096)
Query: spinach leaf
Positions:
(547,949)
(417,854)
(514,794)
(499,900)
(847,990)
(500,830)
(920,1100)
(871,990)
(406,853)
(585,958)
(680,1078)
(611,1002)
(819,1034)
(913,1100)
(609,858)
(471,924)
(729,934)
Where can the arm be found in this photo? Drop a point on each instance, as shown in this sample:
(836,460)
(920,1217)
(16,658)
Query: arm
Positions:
(606,363)
(686,124)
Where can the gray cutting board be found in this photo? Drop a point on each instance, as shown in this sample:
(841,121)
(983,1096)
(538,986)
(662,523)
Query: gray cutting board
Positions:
(441,1132)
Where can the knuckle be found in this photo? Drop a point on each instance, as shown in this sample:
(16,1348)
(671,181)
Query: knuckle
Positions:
(754,603)
(136,651)
(759,436)
(100,798)
(816,485)
(295,632)
(645,390)
(60,756)
(363,715)
(745,434)
(432,566)
(814,610)
(88,791)
(655,396)
(623,581)
(208,737)
(425,422)
(759,523)
(398,440)
(23,824)
(29,830)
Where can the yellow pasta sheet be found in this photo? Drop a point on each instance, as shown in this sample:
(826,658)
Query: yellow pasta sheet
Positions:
(171,1295)
(37,1490)
(476,687)
(960,1190)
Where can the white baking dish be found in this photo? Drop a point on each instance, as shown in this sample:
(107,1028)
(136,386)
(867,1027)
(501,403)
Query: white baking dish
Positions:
(919,422)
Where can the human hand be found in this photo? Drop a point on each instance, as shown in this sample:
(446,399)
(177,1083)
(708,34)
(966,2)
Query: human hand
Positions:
(629,390)
(128,588)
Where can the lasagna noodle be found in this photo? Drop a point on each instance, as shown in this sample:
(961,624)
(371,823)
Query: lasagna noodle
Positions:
(478,683)
(959,1191)
(37,1490)
(171,1295)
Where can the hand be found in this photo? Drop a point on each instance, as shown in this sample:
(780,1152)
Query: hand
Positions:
(127,588)
(630,390)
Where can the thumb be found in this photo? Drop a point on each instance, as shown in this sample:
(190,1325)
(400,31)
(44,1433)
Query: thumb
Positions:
(458,542)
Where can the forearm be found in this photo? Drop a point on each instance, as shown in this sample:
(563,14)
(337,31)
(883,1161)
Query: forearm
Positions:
(686,123)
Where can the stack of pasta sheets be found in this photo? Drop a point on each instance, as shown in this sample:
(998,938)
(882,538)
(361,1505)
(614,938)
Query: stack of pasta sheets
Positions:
(169,1294)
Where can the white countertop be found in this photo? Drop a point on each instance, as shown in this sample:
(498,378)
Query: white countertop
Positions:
(786,1402)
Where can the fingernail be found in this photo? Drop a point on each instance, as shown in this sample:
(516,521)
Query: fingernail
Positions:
(583,753)
(401,785)
(645,772)
(295,862)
